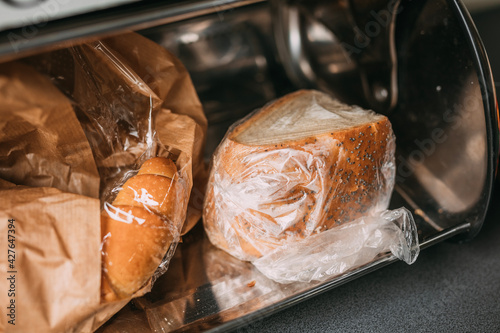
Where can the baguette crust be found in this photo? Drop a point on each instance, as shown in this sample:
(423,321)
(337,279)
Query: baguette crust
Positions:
(148,191)
(260,197)
(138,229)
(158,166)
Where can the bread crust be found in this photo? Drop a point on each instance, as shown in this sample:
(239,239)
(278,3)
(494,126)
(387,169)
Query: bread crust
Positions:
(138,228)
(262,196)
(158,166)
(150,192)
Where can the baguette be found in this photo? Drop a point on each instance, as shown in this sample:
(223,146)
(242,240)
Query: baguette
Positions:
(301,165)
(138,228)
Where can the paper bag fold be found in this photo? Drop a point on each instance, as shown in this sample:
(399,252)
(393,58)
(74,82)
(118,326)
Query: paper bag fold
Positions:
(68,153)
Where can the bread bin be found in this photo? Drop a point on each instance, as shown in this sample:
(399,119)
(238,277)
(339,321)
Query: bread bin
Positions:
(420,63)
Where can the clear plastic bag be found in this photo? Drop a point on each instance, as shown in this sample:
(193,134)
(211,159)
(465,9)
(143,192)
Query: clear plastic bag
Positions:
(266,196)
(145,125)
(344,248)
(144,197)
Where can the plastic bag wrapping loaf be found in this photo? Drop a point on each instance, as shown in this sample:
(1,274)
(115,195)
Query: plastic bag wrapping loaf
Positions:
(143,211)
(120,87)
(343,248)
(265,192)
(299,167)
(141,130)
(118,102)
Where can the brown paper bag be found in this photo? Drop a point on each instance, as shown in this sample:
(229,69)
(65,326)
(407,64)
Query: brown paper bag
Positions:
(141,80)
(164,79)
(55,283)
(153,80)
(41,141)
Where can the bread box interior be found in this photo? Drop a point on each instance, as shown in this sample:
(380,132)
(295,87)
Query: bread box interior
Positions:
(244,54)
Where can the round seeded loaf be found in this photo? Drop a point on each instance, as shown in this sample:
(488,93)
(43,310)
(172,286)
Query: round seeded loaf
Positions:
(301,165)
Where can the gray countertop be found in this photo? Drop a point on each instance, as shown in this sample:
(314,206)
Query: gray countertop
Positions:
(451,287)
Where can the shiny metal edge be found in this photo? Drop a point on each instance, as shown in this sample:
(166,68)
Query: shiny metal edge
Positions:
(486,81)
(334,283)
(18,42)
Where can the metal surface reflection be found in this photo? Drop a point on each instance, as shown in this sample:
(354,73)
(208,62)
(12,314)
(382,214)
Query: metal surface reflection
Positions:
(214,288)
(24,3)
(344,47)
(445,116)
(426,70)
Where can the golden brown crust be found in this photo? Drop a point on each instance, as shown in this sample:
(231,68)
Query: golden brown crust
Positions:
(349,164)
(133,251)
(149,191)
(158,166)
(137,229)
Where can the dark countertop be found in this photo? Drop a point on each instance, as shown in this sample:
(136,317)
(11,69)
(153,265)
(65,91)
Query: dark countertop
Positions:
(451,287)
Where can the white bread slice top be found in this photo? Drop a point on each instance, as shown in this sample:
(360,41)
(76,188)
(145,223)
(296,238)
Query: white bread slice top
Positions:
(303,114)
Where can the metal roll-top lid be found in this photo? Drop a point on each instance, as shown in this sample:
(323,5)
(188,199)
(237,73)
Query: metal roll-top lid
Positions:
(423,64)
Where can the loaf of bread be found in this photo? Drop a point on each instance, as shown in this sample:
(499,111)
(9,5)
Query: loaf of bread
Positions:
(138,228)
(299,166)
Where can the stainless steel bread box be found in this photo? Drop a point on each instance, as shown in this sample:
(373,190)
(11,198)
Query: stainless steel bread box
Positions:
(421,63)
